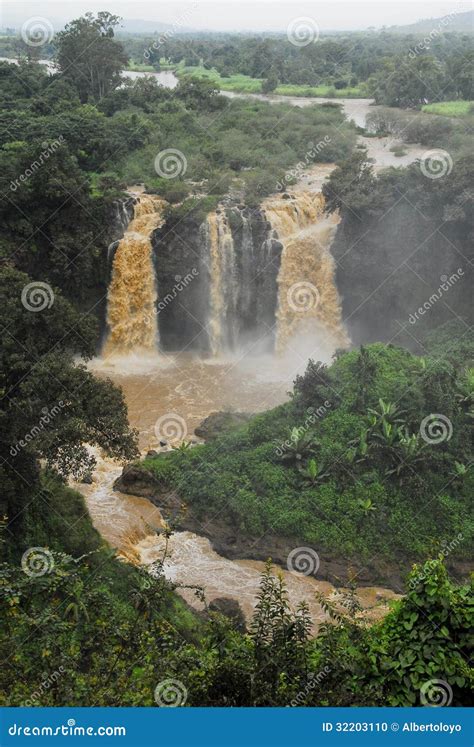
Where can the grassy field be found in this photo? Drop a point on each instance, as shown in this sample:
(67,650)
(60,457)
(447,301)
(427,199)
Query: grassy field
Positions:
(246,84)
(137,67)
(449,108)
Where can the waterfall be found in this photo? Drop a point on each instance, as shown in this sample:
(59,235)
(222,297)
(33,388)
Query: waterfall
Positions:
(224,283)
(132,294)
(308,302)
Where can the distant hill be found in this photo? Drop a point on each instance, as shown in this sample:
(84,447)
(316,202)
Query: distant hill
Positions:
(139,26)
(463,22)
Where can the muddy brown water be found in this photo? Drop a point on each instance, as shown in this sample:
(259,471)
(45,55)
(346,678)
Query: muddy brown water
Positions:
(184,385)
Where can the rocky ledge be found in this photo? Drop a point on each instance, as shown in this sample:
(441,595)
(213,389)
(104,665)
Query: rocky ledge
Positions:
(230,543)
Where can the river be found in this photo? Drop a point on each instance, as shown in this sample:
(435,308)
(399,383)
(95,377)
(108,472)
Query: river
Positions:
(192,387)
(186,385)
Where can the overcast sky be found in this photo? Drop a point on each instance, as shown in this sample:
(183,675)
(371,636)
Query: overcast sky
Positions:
(229,15)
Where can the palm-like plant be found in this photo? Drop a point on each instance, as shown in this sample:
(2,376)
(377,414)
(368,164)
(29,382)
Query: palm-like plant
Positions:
(302,445)
(313,473)
(366,505)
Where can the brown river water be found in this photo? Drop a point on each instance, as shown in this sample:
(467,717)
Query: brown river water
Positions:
(191,388)
(186,388)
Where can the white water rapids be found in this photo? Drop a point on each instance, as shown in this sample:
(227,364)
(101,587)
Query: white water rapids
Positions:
(157,384)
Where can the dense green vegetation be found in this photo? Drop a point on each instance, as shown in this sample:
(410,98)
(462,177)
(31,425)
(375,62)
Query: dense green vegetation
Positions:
(449,108)
(246,84)
(92,631)
(359,480)
(399,69)
(345,466)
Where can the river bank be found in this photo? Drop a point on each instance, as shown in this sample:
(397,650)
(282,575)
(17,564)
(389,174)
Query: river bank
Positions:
(232,544)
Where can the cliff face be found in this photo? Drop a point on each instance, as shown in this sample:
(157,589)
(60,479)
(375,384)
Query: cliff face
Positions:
(217,281)
(229,280)
(391,265)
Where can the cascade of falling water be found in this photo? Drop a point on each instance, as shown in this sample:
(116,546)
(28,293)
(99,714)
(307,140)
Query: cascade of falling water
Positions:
(308,301)
(132,294)
(224,285)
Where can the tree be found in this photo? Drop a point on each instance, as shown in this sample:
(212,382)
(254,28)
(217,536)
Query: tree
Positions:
(51,406)
(199,93)
(270,82)
(351,185)
(89,57)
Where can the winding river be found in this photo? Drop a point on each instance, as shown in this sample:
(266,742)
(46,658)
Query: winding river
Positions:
(192,387)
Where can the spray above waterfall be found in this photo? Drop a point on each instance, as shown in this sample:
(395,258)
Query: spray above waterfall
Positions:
(263,280)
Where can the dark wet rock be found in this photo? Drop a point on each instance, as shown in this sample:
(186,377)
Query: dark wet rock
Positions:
(87,479)
(231,609)
(220,422)
(150,454)
(163,442)
(229,542)
(181,247)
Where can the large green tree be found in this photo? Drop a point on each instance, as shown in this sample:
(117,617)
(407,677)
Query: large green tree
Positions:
(89,56)
(51,405)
